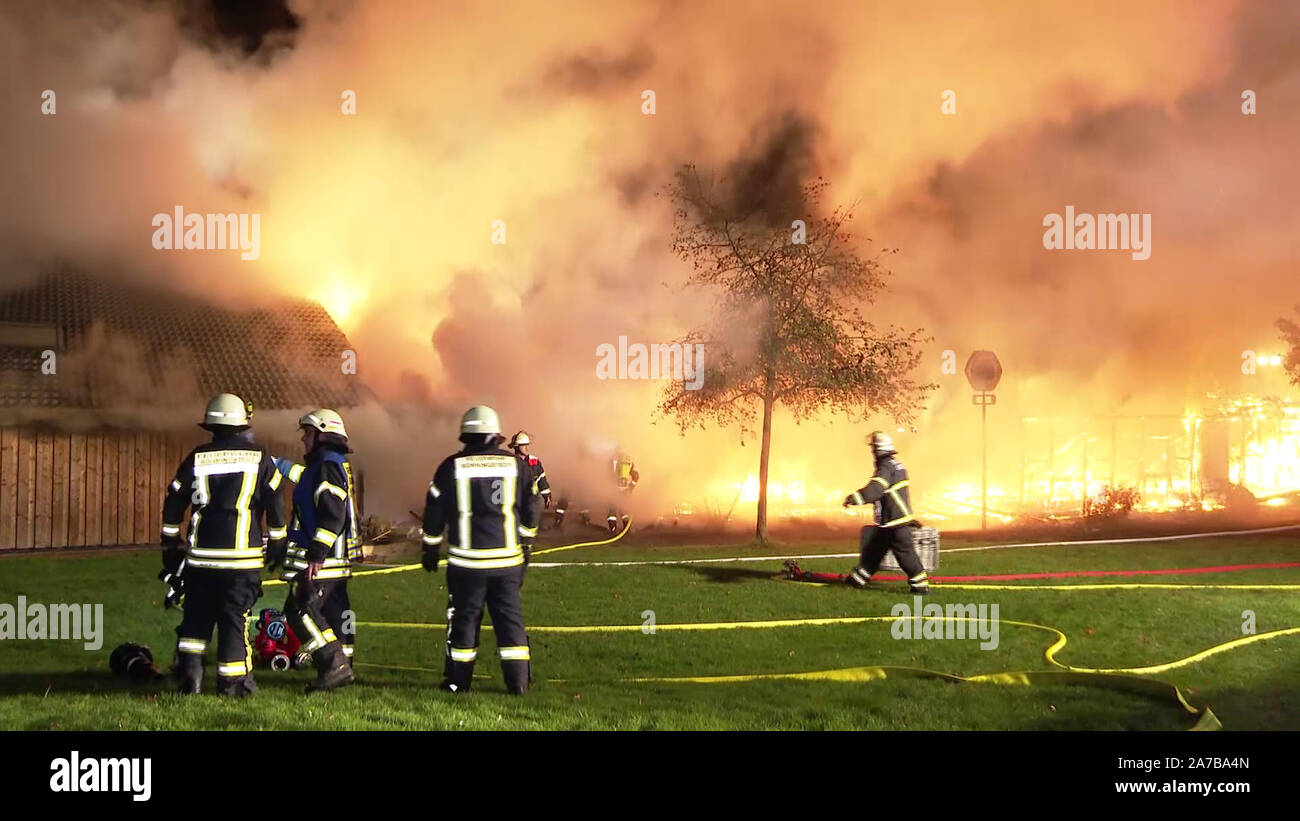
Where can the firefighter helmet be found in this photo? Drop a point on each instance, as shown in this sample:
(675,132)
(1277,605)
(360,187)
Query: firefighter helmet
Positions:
(480,419)
(134,661)
(228,410)
(520,438)
(325,421)
(881,443)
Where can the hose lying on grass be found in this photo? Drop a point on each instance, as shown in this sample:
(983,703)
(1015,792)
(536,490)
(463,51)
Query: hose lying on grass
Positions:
(405,567)
(1130,679)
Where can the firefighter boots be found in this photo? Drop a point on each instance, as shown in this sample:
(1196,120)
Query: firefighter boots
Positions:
(332,669)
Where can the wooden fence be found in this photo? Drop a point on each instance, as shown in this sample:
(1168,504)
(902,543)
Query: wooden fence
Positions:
(85,489)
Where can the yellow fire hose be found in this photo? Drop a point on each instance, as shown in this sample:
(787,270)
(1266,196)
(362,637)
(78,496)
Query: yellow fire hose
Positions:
(416,566)
(1124,678)
(610,540)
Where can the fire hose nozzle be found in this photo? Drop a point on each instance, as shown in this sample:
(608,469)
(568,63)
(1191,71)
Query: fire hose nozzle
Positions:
(281,662)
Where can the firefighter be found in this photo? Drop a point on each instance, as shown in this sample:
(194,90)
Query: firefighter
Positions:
(483,498)
(324,540)
(541,486)
(230,484)
(335,603)
(888,487)
(625,479)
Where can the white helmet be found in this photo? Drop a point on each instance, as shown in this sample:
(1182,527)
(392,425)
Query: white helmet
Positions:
(520,438)
(480,419)
(325,421)
(227,410)
(881,443)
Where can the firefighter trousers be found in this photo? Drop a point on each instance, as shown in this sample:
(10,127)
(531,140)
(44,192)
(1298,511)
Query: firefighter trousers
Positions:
(337,609)
(316,612)
(468,592)
(478,629)
(222,599)
(875,542)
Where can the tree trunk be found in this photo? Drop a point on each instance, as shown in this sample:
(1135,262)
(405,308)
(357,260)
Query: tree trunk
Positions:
(760,528)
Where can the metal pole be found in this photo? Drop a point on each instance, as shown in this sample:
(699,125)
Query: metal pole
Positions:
(984,481)
(1142,459)
(1084,495)
(1051,463)
(1022,463)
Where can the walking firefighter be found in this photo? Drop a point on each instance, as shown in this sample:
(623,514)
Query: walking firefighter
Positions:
(889,488)
(324,541)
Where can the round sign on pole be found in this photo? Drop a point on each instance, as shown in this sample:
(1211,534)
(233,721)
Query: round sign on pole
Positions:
(983,370)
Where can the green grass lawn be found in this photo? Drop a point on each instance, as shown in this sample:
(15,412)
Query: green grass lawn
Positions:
(584,679)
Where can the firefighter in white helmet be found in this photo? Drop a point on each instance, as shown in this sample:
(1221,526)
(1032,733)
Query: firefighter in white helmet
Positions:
(229,484)
(324,540)
(889,488)
(520,443)
(482,503)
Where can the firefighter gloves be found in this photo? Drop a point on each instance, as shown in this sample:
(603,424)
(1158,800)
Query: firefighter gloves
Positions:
(305,592)
(175,589)
(276,551)
(432,556)
(172,557)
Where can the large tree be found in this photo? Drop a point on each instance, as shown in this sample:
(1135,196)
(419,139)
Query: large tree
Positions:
(788,327)
(1291,335)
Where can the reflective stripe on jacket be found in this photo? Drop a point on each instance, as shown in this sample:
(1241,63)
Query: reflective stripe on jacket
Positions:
(889,487)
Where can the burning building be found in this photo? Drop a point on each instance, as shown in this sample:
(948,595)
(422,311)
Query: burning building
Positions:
(102,382)
(1234,449)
